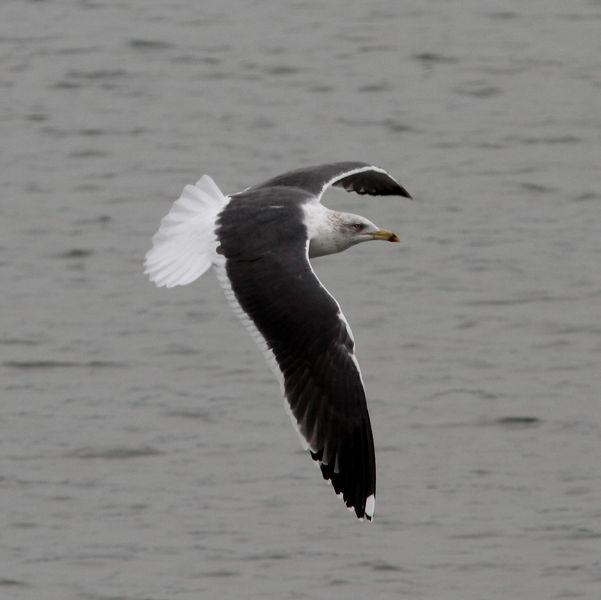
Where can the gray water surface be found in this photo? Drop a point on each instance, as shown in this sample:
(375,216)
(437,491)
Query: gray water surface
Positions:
(144,449)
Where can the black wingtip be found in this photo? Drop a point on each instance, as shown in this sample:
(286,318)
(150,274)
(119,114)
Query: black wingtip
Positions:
(374,182)
(401,191)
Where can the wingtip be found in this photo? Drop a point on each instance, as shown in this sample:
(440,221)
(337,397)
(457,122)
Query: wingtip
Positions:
(363,514)
(401,191)
(367,513)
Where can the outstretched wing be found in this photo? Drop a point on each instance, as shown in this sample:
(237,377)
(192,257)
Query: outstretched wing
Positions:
(268,279)
(358,177)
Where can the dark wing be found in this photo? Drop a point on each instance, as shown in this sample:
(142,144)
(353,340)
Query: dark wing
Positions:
(358,177)
(265,266)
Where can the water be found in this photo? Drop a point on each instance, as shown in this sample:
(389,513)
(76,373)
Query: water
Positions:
(145,451)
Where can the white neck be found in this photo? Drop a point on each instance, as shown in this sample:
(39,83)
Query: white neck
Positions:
(322,228)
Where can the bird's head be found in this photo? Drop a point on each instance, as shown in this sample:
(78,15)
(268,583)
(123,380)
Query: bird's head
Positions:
(356,229)
(331,231)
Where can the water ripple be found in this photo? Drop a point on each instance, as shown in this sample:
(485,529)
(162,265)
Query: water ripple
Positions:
(112,453)
(63,364)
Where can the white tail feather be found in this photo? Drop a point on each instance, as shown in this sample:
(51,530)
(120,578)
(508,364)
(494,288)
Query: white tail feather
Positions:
(185,245)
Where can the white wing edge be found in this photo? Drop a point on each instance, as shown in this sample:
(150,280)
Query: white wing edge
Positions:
(344,174)
(185,245)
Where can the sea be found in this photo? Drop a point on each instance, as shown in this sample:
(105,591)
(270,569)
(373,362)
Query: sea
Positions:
(145,453)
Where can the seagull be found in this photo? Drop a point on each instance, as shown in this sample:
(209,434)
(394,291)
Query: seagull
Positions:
(259,242)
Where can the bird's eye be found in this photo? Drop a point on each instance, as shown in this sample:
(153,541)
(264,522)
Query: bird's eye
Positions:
(358,226)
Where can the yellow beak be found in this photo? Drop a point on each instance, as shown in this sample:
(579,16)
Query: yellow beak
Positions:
(387,236)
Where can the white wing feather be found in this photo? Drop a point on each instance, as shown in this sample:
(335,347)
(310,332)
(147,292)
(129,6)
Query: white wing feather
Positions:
(185,245)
